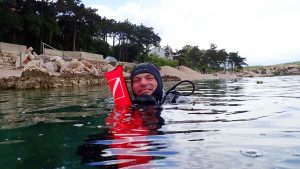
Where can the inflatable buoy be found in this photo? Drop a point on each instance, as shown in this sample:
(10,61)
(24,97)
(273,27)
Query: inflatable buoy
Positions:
(118,86)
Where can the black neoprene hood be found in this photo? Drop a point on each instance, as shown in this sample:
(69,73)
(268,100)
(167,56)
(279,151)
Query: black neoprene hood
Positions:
(152,69)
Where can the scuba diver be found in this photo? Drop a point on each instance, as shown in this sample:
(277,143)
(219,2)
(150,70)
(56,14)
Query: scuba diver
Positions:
(147,87)
(131,122)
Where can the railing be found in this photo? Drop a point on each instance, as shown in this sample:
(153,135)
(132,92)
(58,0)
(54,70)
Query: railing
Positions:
(62,53)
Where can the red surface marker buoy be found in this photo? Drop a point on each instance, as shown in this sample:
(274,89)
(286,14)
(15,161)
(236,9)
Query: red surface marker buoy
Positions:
(118,86)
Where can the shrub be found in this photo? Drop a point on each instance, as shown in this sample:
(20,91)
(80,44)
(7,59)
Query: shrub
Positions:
(159,62)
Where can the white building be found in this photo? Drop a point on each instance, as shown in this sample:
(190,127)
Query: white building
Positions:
(158,51)
(162,52)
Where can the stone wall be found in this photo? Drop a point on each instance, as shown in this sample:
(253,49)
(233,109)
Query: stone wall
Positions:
(12,48)
(125,64)
(10,59)
(75,54)
(92,56)
(52,52)
(11,55)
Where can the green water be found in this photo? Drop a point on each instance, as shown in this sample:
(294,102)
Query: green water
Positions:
(37,126)
(230,124)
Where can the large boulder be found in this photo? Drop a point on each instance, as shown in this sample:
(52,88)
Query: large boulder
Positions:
(51,67)
(34,73)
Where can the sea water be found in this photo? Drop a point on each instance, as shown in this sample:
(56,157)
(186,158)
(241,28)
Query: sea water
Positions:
(246,123)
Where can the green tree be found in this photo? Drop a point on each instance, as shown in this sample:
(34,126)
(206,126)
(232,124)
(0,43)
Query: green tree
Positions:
(78,24)
(222,56)
(181,56)
(236,61)
(11,22)
(211,59)
(168,51)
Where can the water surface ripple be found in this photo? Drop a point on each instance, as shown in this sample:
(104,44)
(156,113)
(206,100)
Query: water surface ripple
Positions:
(229,124)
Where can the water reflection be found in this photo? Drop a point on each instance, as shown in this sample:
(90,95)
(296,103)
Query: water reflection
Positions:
(127,143)
(29,107)
(230,124)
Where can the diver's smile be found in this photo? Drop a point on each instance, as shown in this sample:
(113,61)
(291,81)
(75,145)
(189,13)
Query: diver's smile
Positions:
(144,83)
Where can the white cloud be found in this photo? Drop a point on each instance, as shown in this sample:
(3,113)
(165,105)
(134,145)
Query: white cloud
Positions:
(263,31)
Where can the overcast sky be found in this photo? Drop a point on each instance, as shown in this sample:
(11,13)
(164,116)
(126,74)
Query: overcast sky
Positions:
(264,31)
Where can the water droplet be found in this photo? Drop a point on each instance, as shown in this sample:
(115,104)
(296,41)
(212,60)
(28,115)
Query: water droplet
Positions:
(19,159)
(41,134)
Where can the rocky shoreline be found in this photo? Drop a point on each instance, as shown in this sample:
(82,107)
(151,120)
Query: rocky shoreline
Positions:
(47,71)
(269,71)
(37,79)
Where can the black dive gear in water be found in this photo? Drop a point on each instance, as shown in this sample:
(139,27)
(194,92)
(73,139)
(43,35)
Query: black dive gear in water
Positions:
(173,94)
(145,100)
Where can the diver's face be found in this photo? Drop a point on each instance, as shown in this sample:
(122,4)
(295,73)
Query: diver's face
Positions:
(144,83)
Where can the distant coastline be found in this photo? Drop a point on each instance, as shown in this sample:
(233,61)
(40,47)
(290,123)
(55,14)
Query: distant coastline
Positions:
(32,71)
(36,79)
